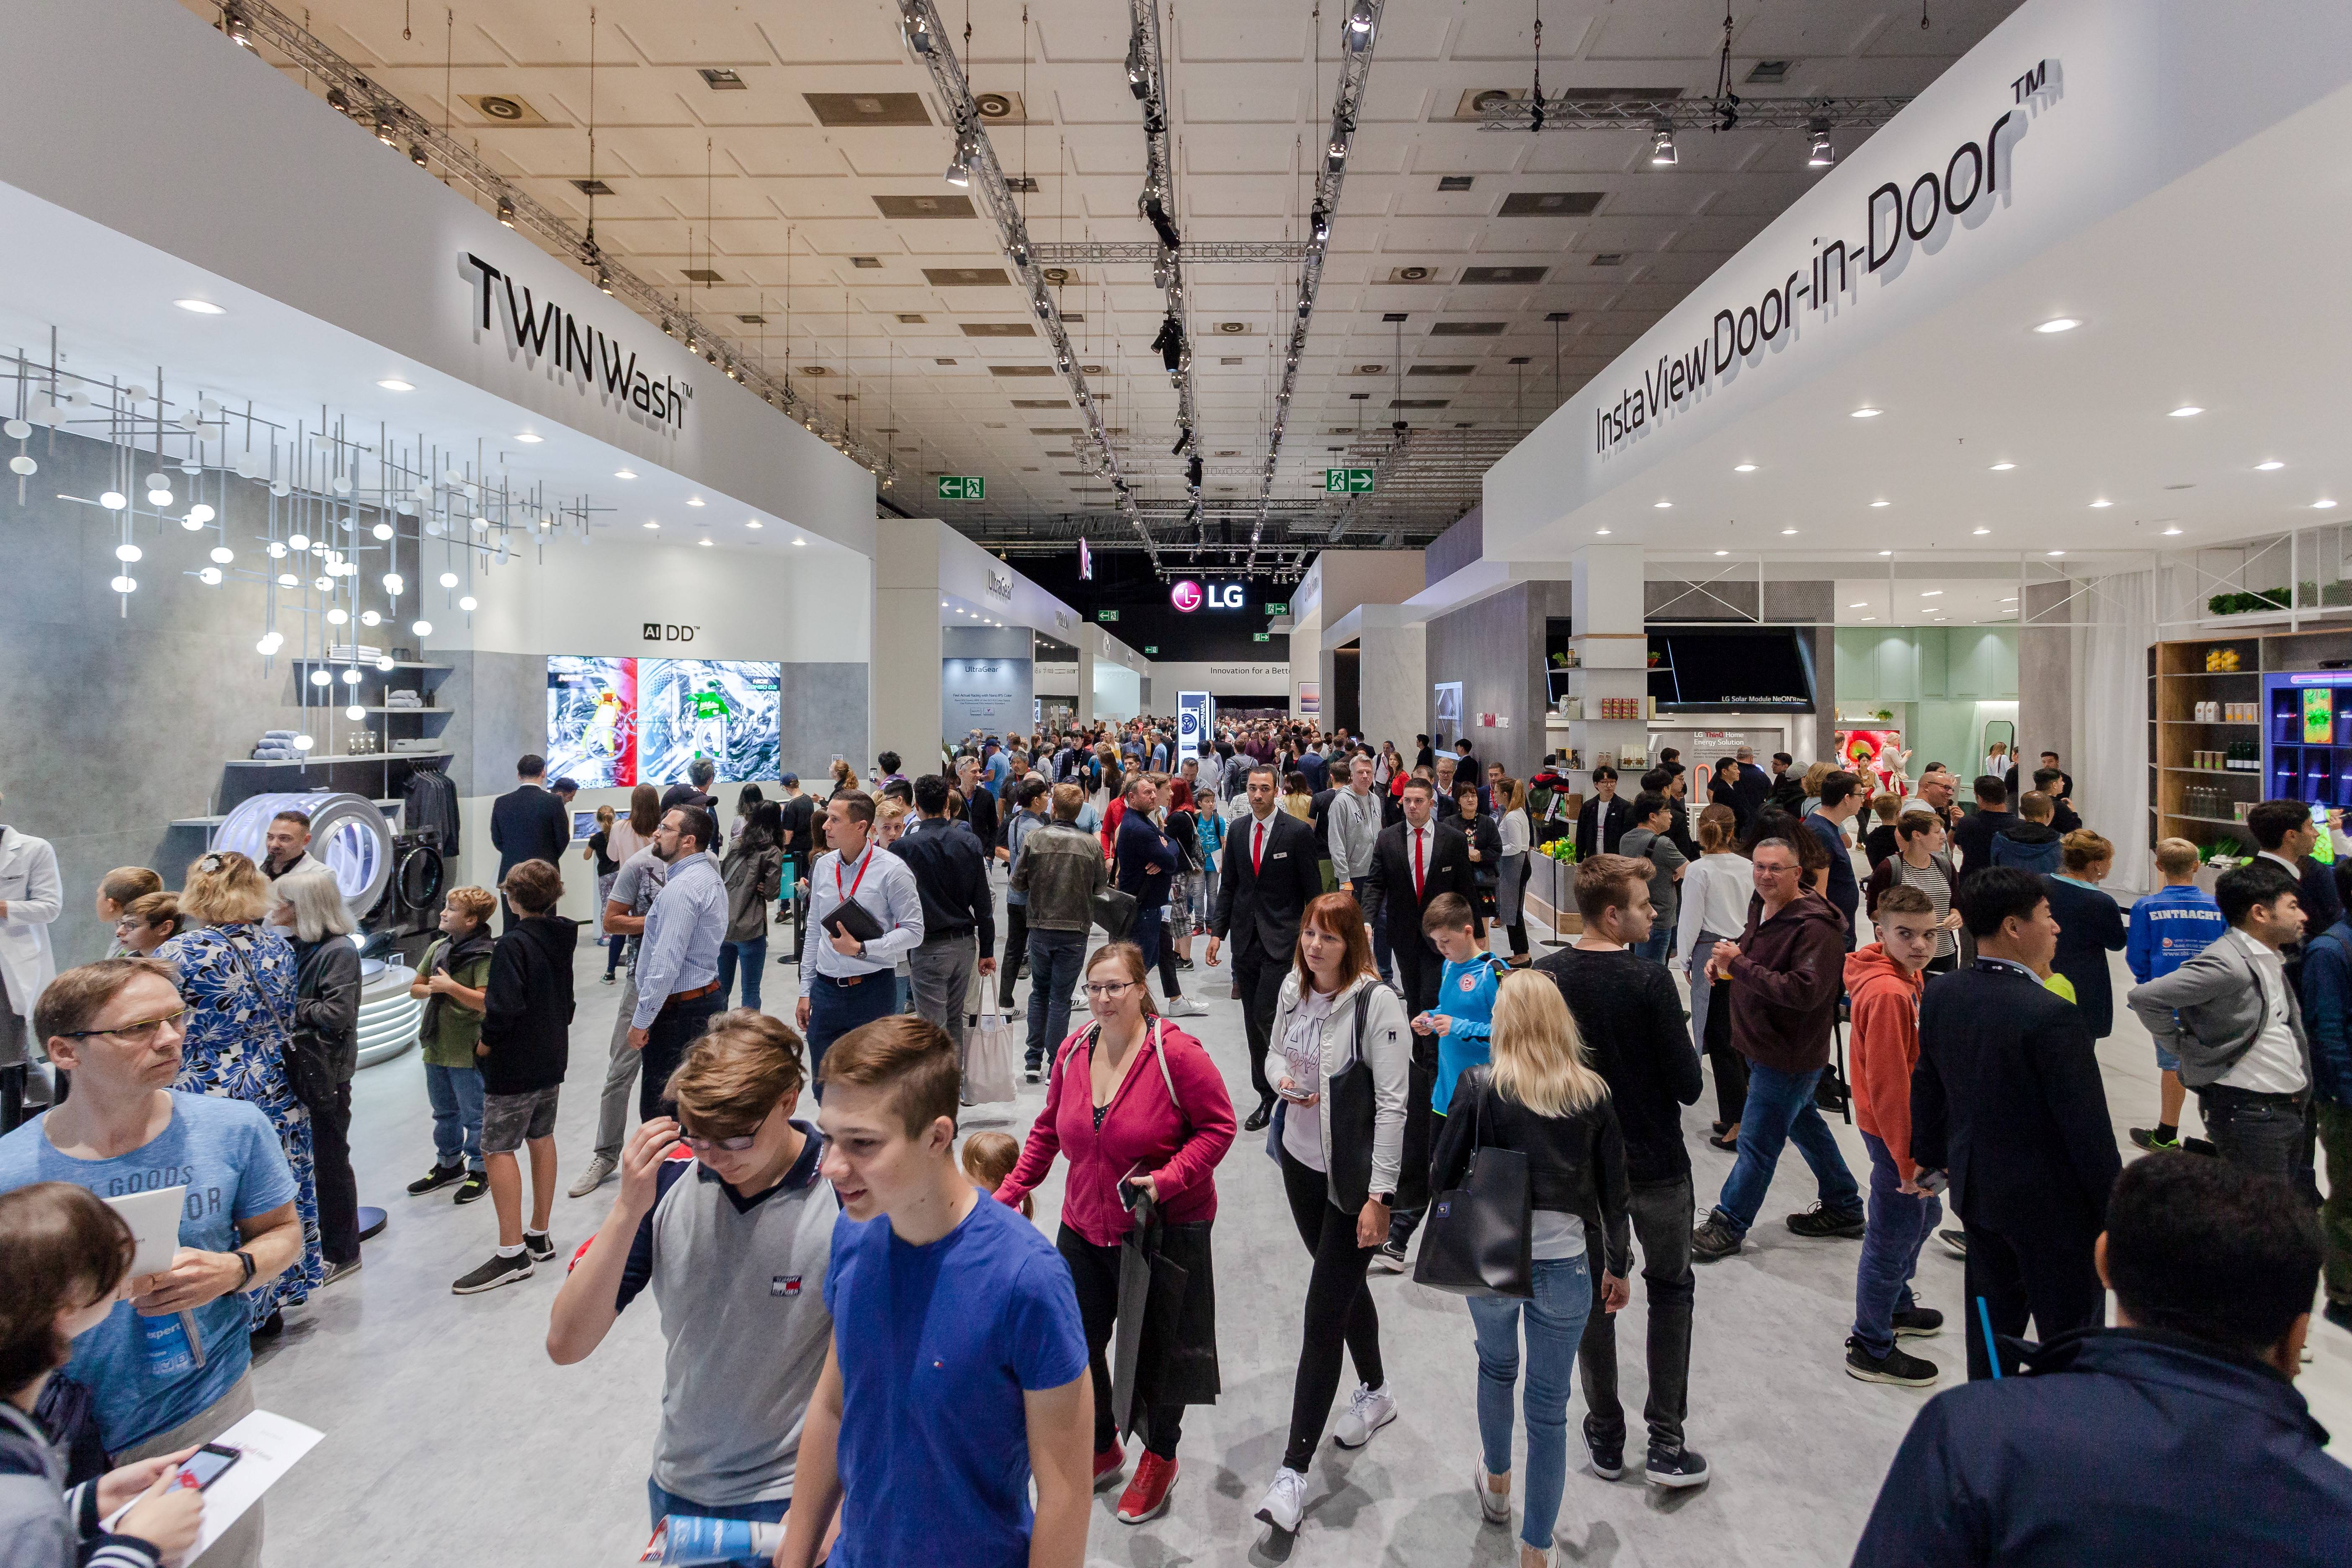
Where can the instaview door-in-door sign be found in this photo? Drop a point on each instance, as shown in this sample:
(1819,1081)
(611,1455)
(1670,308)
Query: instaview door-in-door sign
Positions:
(669,631)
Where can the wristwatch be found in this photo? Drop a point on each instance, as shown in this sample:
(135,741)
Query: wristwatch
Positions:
(242,1256)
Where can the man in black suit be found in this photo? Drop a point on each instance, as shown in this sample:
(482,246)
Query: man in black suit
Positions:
(527,823)
(2006,1099)
(1269,871)
(1605,818)
(1413,863)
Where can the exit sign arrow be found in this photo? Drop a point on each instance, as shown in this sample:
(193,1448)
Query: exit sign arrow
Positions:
(966,487)
(1348,481)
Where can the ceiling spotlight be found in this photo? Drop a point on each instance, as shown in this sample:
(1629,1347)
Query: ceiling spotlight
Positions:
(1600,530)
(1886,553)
(2266,467)
(507,211)
(528,440)
(800,541)
(1138,74)
(234,25)
(394,384)
(467,603)
(1336,155)
(200,307)
(2058,324)
(2002,468)
(1662,149)
(2054,552)
(1662,505)
(1867,413)
(2186,411)
(2096,504)
(1743,467)
(694,501)
(959,172)
(1359,26)
(2321,505)
(704,542)
(1723,552)
(1822,155)
(1859,604)
(1788,531)
(1877,503)
(1980,530)
(753,522)
(652,524)
(624,474)
(1318,220)
(603,280)
(384,131)
(2171,532)
(417,153)
(1931,593)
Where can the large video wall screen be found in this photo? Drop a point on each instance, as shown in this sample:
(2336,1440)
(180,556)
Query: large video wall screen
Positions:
(614,722)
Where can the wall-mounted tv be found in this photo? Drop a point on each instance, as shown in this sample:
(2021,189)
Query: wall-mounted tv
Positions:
(1744,670)
(614,722)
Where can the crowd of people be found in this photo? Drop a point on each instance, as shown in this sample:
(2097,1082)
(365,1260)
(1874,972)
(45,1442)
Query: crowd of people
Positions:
(1813,940)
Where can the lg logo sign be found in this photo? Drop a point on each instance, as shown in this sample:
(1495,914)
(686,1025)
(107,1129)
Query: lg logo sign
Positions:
(663,631)
(1188,595)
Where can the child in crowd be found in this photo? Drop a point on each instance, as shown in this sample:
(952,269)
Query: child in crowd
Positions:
(1885,982)
(64,1254)
(148,922)
(450,979)
(1466,993)
(525,1045)
(988,1159)
(117,891)
(1881,841)
(2169,928)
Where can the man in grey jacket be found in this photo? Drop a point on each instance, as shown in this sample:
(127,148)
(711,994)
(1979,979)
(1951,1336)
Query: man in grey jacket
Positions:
(1059,871)
(2235,1023)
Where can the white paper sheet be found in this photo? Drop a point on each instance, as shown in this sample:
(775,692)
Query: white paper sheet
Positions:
(270,1445)
(154,1220)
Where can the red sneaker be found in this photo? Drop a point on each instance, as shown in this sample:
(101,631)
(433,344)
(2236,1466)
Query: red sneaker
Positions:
(1147,1495)
(1108,1465)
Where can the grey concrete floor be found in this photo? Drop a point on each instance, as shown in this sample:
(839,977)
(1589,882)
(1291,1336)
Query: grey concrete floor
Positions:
(450,1437)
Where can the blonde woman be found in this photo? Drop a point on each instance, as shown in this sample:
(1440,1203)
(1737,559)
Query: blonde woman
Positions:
(1540,1096)
(237,977)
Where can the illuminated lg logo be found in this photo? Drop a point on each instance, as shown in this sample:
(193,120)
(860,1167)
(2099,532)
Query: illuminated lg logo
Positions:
(1188,595)
(1185,596)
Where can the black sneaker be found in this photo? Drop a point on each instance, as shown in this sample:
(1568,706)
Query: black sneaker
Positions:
(2145,1137)
(1607,1455)
(2204,1146)
(433,1180)
(540,1246)
(1919,1323)
(1389,1258)
(499,1270)
(1713,1239)
(1676,1468)
(1897,1366)
(1824,1223)
(1956,1242)
(476,1184)
(1034,1075)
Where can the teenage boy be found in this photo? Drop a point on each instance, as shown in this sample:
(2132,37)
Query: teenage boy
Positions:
(2030,842)
(1465,995)
(721,1213)
(2286,834)
(2169,928)
(1627,1010)
(1842,798)
(1604,819)
(526,1028)
(2327,1022)
(1972,836)
(450,981)
(965,1371)
(1650,840)
(118,890)
(1884,981)
(2231,1018)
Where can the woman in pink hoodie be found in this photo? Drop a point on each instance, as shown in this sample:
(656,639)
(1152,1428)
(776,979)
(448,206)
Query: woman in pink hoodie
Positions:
(1142,1114)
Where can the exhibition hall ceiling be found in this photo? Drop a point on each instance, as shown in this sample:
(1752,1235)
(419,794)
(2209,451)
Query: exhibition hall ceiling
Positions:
(777,170)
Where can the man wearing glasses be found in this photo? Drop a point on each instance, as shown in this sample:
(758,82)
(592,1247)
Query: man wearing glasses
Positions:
(721,1213)
(166,1368)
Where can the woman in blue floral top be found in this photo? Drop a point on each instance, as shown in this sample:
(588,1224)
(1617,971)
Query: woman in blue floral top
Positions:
(237,977)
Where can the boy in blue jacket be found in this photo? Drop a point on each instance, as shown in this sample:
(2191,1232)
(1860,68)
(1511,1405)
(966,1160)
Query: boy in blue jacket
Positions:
(2169,928)
(2328,1024)
(1466,993)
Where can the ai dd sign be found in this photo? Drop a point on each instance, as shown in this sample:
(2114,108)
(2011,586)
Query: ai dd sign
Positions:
(1348,481)
(963,487)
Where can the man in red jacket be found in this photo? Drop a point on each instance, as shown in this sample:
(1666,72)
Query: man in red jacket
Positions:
(1786,972)
(1884,980)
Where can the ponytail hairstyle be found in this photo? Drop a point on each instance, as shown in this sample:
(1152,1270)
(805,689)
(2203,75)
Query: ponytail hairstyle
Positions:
(1718,829)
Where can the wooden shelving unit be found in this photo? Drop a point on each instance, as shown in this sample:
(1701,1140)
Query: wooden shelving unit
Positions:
(2177,681)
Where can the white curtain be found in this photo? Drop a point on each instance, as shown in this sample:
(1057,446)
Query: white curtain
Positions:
(2110,759)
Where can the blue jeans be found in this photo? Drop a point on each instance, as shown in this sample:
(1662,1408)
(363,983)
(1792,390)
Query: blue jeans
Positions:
(1899,1226)
(834,1010)
(666,1503)
(1779,1111)
(456,1094)
(754,956)
(1655,945)
(1056,958)
(1555,1320)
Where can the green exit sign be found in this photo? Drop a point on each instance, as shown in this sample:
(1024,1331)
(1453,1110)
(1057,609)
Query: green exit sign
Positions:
(1273,609)
(1348,481)
(1150,647)
(972,486)
(1106,615)
(1257,636)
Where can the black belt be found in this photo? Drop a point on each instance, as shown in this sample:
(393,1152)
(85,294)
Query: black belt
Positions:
(847,981)
(2257,1096)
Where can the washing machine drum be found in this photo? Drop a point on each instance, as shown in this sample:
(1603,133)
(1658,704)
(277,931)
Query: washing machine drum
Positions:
(416,875)
(348,834)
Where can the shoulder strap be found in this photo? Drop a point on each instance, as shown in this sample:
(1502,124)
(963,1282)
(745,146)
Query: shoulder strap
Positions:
(285,1027)
(1167,1078)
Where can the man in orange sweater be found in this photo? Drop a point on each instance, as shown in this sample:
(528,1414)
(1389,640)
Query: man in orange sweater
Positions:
(1885,981)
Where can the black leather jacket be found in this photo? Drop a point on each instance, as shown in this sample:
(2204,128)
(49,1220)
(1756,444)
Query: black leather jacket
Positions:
(1576,1163)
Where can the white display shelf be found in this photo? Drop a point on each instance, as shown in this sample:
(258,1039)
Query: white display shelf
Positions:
(367,664)
(351,757)
(216,820)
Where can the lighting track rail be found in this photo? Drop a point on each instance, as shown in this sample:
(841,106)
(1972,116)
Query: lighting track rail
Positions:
(1109,252)
(251,22)
(1147,77)
(1727,114)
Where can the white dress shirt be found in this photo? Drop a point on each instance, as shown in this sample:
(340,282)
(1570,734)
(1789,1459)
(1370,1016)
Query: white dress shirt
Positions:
(884,887)
(1714,893)
(2273,1063)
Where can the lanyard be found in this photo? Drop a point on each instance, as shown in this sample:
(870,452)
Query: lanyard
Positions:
(862,861)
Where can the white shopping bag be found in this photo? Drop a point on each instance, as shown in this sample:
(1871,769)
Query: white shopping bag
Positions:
(988,1058)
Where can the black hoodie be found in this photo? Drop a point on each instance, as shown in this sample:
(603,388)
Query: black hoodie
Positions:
(527,1017)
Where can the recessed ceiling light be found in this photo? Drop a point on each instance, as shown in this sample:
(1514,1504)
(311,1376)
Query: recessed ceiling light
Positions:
(200,307)
(1788,531)
(1886,553)
(2096,504)
(2058,324)
(1723,552)
(1882,503)
(1662,505)
(528,440)
(694,501)
(2321,505)
(2002,468)
(2266,467)
(1743,467)
(1930,592)
(1867,413)
(1982,530)
(800,541)
(394,384)
(623,474)
(2186,410)
(943,604)
(653,525)
(2054,552)
(703,541)
(1867,617)
(1600,531)
(753,522)
(2172,530)
(1859,604)
(2011,600)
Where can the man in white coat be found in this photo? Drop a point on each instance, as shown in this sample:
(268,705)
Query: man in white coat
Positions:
(30,896)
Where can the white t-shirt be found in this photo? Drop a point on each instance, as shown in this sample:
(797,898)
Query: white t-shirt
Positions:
(1302,1055)
(2273,1063)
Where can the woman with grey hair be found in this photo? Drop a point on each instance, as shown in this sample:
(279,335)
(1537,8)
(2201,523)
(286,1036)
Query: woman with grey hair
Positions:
(308,905)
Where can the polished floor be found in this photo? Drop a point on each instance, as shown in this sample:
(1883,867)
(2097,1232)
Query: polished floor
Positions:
(450,1437)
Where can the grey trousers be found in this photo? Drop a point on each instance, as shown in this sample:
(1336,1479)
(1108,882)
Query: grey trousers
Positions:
(942,972)
(620,1074)
(240,1545)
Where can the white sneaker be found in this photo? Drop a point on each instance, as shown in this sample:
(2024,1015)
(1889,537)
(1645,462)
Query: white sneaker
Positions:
(1285,1501)
(1494,1505)
(594,1176)
(1369,1410)
(1182,1007)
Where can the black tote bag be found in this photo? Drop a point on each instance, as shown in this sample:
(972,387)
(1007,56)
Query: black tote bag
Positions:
(1478,1236)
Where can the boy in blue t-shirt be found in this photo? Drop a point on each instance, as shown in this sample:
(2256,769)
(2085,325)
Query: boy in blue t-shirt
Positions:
(1466,993)
(2169,928)
(962,1371)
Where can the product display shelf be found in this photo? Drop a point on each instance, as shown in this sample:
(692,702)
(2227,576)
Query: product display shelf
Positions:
(208,823)
(366,665)
(2294,760)
(313,762)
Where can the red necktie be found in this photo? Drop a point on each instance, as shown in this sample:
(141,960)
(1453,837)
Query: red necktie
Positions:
(1258,848)
(1416,863)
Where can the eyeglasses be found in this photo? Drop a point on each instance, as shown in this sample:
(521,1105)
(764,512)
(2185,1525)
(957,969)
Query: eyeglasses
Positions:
(139,1034)
(721,1145)
(1109,989)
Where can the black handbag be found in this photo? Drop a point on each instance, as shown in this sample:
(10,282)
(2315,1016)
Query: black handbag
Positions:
(1354,1116)
(310,1072)
(1114,911)
(1478,1238)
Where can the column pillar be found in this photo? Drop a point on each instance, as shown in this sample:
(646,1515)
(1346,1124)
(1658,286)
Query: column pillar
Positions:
(1087,674)
(1612,653)
(908,644)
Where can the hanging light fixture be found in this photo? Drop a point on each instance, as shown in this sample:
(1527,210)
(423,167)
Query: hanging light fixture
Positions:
(1822,155)
(959,172)
(1661,148)
(234,25)
(1359,26)
(507,211)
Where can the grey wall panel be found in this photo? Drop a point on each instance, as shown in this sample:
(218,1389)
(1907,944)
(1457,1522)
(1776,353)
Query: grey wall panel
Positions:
(1495,647)
(825,716)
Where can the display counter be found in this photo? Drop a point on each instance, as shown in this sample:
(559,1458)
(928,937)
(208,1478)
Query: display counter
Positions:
(388,1014)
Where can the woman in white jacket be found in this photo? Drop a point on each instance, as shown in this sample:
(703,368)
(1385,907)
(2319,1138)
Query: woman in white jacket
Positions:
(1339,1170)
(1716,889)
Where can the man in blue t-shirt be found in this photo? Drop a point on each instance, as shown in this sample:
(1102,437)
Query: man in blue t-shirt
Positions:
(166,1369)
(964,1370)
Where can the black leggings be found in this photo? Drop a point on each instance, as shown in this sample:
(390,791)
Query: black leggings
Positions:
(1093,1270)
(1338,1308)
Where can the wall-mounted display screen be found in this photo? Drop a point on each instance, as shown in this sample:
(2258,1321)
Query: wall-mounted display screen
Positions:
(614,722)
(1766,669)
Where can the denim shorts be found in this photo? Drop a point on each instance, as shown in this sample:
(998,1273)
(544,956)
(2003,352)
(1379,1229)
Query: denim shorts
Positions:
(2166,1061)
(508,1119)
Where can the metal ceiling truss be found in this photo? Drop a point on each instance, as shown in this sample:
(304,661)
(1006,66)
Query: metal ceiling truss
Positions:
(1145,252)
(1147,76)
(926,38)
(1730,112)
(253,22)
